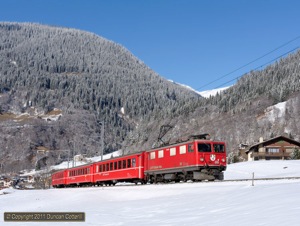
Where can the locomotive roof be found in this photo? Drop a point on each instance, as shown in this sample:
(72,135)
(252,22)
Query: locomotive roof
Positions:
(184,142)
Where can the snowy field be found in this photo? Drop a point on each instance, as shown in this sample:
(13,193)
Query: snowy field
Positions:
(219,203)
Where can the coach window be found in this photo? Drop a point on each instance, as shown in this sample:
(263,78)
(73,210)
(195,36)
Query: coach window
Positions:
(133,162)
(111,166)
(119,165)
(88,171)
(202,147)
(128,163)
(115,165)
(107,166)
(124,164)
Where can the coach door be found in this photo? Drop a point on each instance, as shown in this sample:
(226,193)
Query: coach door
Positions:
(141,166)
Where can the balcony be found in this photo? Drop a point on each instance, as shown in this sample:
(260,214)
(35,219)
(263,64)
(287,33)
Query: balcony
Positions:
(271,155)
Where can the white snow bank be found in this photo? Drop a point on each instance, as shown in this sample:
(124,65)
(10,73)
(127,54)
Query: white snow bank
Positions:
(263,169)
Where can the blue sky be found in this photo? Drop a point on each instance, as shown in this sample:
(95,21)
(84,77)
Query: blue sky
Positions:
(193,42)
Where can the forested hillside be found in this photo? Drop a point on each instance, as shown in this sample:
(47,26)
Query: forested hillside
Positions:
(87,78)
(58,86)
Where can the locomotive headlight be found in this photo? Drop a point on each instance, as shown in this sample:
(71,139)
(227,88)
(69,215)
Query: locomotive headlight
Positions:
(223,160)
(201,159)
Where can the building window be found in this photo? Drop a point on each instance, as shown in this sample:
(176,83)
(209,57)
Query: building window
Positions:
(273,150)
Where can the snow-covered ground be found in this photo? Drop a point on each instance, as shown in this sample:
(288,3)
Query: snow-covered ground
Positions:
(220,203)
(263,169)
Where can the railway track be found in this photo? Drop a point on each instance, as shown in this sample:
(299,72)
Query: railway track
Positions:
(215,181)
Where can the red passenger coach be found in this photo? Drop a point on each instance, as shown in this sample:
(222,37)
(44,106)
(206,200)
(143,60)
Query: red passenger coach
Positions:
(79,176)
(196,160)
(128,168)
(59,179)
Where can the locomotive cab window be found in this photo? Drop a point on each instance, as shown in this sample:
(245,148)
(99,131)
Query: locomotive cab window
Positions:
(219,148)
(191,148)
(202,147)
(133,162)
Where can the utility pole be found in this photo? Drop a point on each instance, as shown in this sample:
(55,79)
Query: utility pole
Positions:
(73,152)
(102,139)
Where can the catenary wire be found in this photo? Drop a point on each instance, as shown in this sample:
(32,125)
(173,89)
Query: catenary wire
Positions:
(223,76)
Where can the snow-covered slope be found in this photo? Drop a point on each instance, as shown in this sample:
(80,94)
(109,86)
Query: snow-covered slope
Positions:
(212,92)
(221,203)
(206,93)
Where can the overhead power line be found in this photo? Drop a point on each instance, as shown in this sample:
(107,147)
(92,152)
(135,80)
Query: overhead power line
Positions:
(259,66)
(223,76)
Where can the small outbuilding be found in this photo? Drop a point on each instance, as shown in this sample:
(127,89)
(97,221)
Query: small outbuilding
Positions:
(279,148)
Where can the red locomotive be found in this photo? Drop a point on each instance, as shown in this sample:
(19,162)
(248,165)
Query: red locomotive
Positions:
(196,159)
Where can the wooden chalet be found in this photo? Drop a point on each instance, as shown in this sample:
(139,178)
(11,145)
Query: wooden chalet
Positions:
(279,148)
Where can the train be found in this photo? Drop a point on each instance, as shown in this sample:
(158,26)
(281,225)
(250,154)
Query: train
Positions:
(195,159)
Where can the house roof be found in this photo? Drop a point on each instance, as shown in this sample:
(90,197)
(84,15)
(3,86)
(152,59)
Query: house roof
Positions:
(273,139)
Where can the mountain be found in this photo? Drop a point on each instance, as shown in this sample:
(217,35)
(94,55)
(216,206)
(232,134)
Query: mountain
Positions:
(81,78)
(59,86)
(239,113)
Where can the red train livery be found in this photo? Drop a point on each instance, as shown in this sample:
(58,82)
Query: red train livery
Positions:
(196,159)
